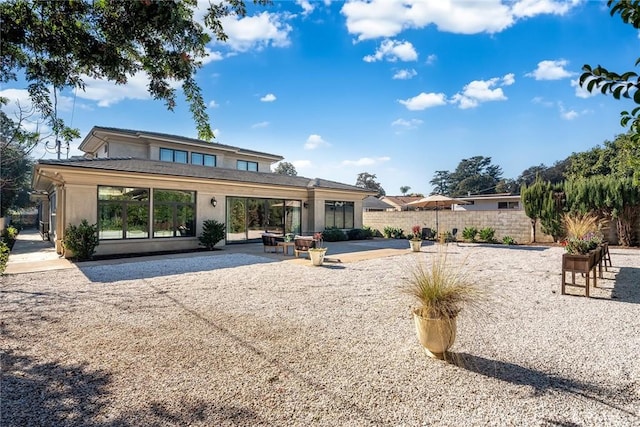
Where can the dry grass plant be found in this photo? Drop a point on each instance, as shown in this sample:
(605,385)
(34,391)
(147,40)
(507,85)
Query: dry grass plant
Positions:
(579,225)
(442,289)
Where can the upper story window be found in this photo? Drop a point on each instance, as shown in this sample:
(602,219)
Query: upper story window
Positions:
(203,159)
(170,155)
(244,165)
(508,205)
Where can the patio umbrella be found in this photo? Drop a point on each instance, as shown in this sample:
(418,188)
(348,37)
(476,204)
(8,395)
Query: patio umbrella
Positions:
(436,201)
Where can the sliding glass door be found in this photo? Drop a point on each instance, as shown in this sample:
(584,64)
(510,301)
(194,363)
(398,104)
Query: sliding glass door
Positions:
(248,218)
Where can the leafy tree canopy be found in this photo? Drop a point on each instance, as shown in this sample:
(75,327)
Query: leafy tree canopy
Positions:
(621,86)
(368,181)
(475,175)
(613,159)
(285,168)
(404,189)
(554,174)
(57,44)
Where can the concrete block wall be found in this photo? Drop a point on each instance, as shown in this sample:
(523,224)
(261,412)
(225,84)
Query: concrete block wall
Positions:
(513,223)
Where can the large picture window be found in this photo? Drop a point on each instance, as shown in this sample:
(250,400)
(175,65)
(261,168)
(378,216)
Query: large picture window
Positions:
(123,213)
(338,214)
(174,213)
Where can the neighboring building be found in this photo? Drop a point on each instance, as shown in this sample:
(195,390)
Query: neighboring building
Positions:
(373,204)
(399,203)
(150,192)
(489,202)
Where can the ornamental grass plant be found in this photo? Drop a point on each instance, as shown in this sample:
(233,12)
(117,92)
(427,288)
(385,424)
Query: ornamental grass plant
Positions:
(442,289)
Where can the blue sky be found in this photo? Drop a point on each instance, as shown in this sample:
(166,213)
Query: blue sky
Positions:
(399,89)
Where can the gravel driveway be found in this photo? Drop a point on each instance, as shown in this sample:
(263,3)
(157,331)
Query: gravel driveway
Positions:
(236,339)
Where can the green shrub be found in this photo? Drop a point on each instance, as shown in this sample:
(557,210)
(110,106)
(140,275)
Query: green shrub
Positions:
(212,233)
(359,234)
(374,231)
(487,235)
(393,233)
(333,234)
(4,256)
(508,240)
(469,233)
(81,240)
(9,236)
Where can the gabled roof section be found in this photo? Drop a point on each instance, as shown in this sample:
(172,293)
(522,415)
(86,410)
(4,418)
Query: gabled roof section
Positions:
(85,145)
(156,167)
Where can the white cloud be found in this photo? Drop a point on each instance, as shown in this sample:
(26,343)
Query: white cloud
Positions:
(569,115)
(213,104)
(365,161)
(479,91)
(541,101)
(424,101)
(431,59)
(211,56)
(408,124)
(107,93)
(582,92)
(388,18)
(405,74)
(257,31)
(315,141)
(268,98)
(260,125)
(393,50)
(301,164)
(550,70)
(307,7)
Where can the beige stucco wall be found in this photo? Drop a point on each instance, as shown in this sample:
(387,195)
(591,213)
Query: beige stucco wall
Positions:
(510,222)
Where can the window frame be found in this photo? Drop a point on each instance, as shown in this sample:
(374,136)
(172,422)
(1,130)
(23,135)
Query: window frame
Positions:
(124,206)
(173,152)
(174,207)
(246,165)
(204,157)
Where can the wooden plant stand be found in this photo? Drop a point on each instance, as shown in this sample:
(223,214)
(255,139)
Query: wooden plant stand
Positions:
(583,264)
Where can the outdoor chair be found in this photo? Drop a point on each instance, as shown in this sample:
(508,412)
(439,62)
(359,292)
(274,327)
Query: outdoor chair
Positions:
(428,234)
(270,242)
(302,244)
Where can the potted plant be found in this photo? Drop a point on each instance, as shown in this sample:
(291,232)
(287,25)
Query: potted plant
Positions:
(440,291)
(416,239)
(317,253)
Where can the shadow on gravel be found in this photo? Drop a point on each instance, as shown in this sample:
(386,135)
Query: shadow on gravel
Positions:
(134,270)
(513,247)
(542,382)
(626,285)
(49,394)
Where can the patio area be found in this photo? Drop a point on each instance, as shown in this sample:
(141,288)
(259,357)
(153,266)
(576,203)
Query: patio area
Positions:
(245,338)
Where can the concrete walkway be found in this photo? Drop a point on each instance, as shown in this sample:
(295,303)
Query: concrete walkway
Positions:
(32,254)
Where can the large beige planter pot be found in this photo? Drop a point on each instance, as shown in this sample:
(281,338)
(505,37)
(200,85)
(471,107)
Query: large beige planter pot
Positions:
(317,256)
(435,335)
(415,245)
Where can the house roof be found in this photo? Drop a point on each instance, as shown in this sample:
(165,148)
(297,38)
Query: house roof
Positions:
(400,200)
(372,202)
(85,145)
(156,167)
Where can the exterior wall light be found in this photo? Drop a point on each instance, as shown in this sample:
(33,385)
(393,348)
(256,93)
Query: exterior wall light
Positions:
(306,205)
(214,202)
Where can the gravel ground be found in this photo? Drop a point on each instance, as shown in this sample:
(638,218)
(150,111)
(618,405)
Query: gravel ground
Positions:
(235,339)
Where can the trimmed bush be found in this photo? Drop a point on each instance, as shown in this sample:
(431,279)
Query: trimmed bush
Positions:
(508,240)
(4,256)
(81,239)
(393,233)
(359,234)
(487,234)
(469,234)
(333,234)
(9,236)
(212,233)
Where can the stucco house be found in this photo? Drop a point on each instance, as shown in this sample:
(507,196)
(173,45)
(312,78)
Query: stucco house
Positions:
(150,191)
(490,202)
